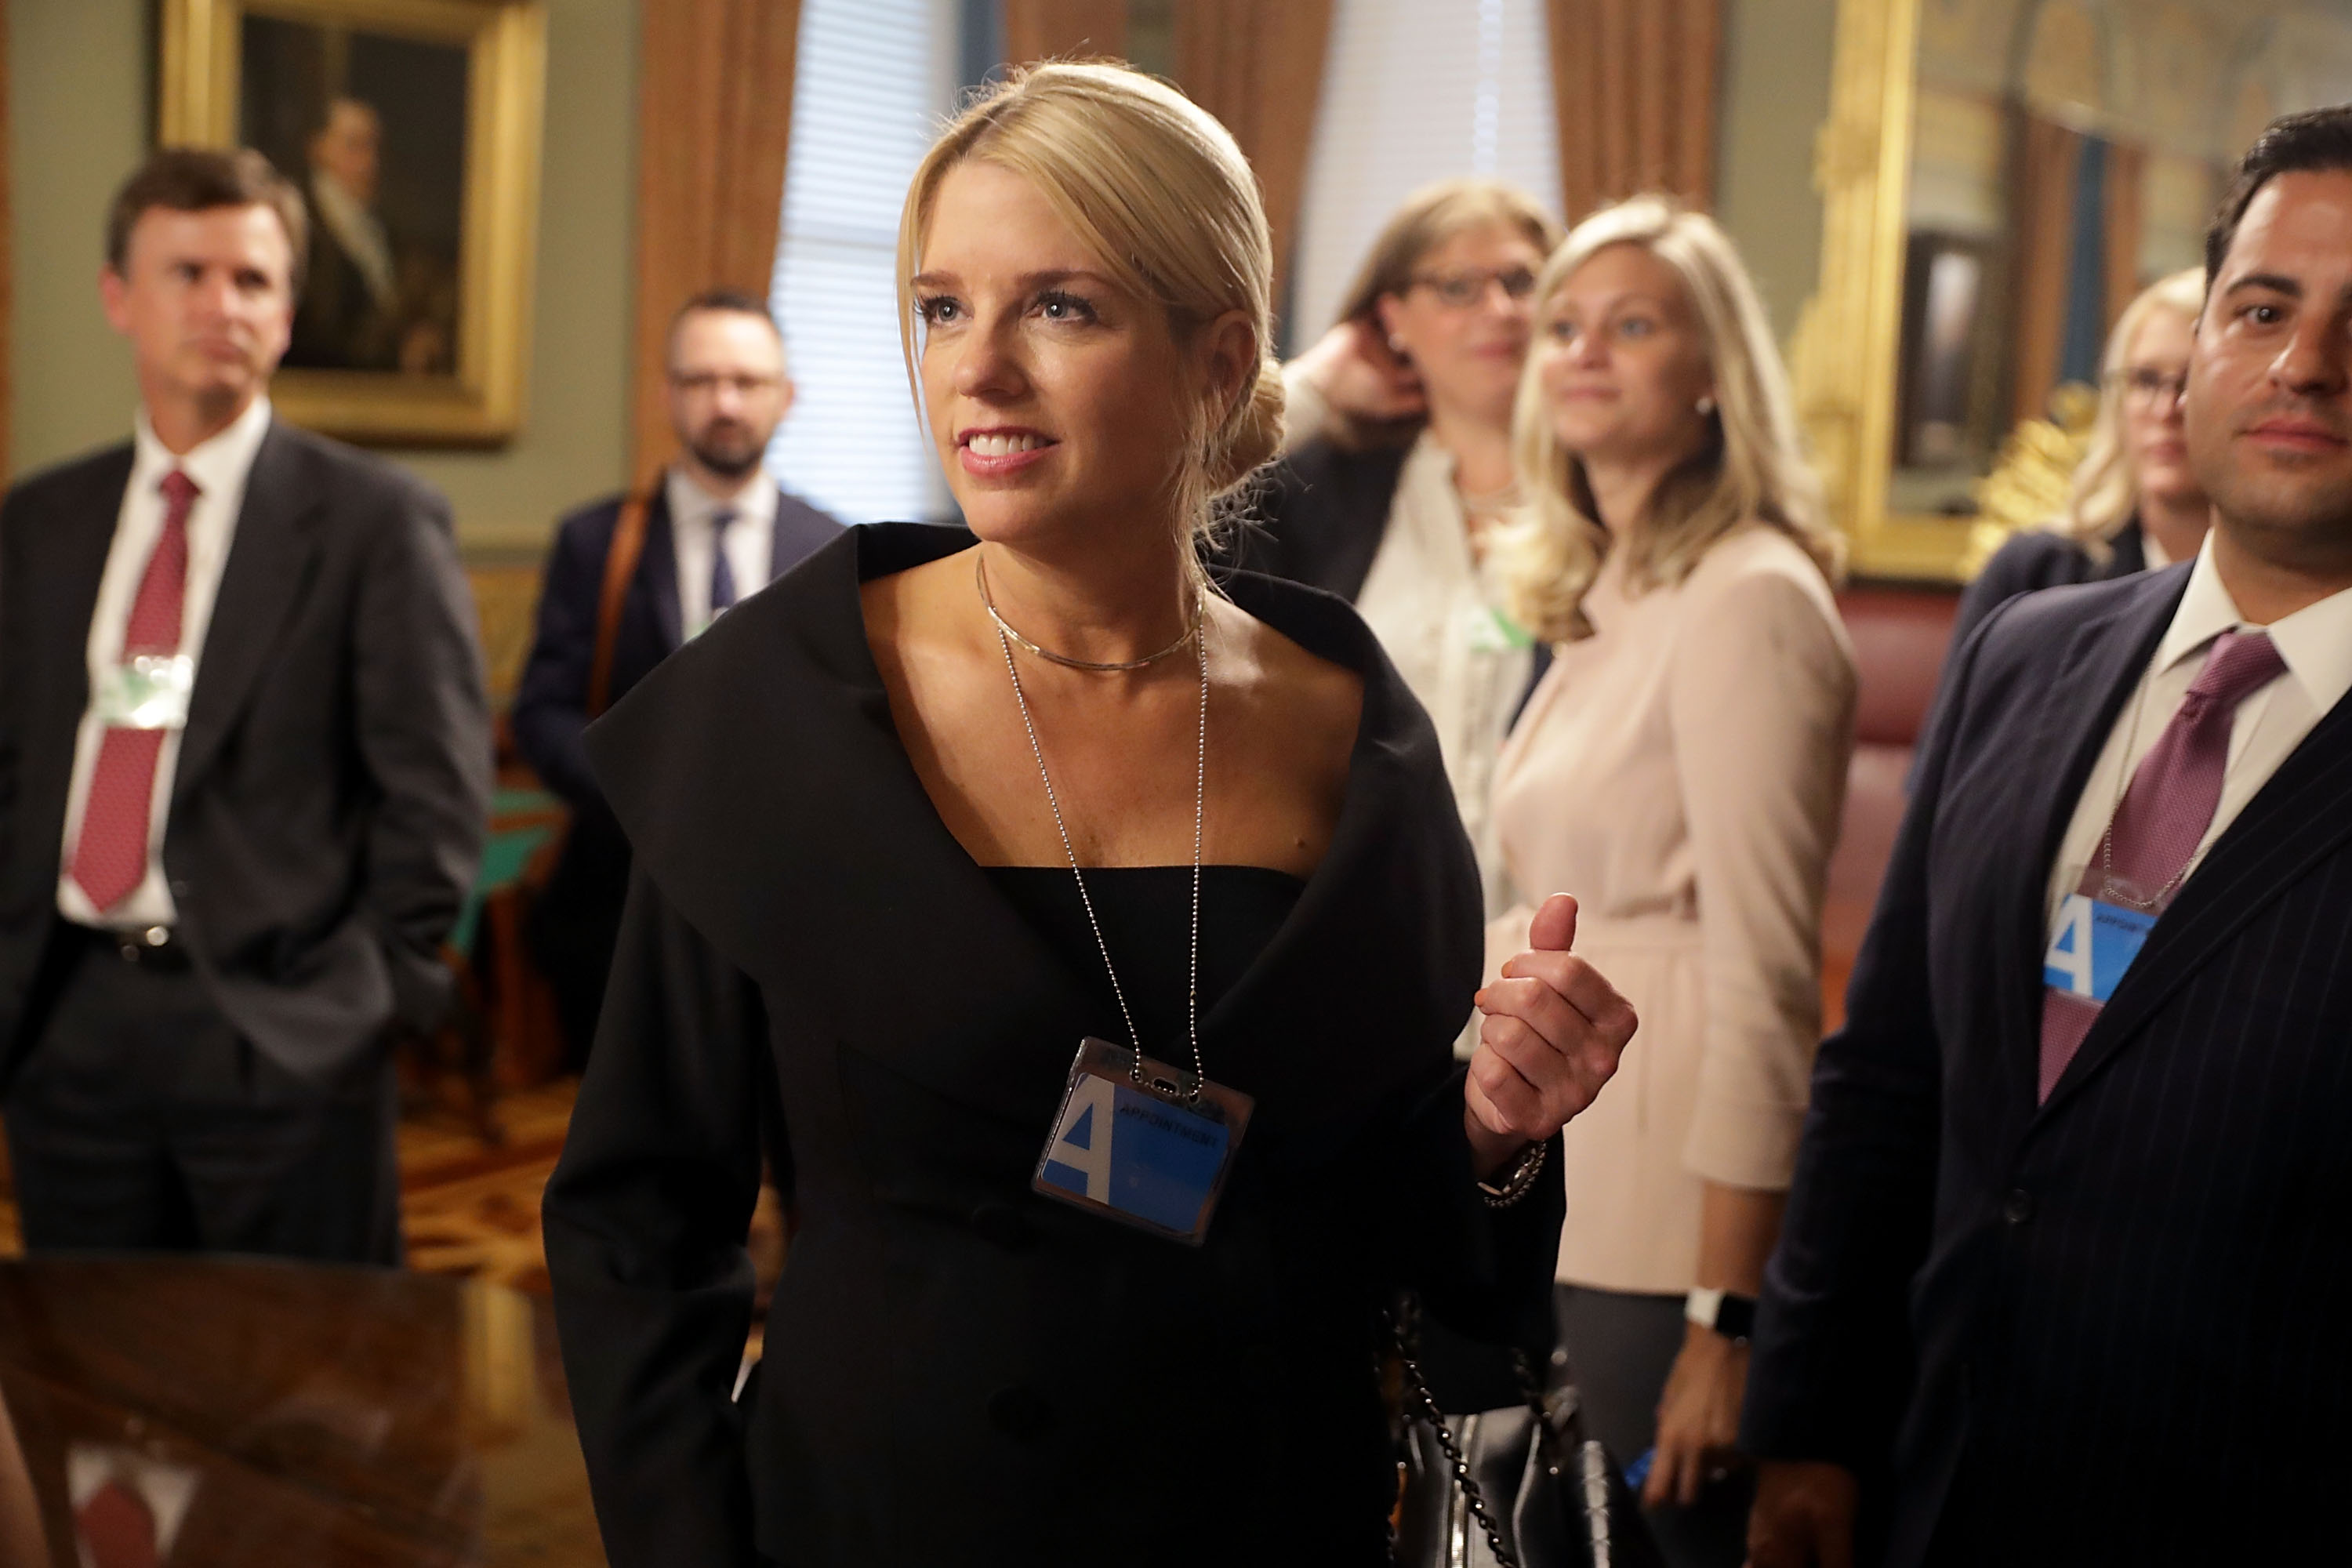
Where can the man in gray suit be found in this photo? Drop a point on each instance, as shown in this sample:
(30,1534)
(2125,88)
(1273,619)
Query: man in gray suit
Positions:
(245,763)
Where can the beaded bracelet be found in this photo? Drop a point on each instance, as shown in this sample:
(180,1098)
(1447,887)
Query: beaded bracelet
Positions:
(1521,1182)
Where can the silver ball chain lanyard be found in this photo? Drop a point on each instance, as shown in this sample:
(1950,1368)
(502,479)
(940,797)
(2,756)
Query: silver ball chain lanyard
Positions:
(1136,1140)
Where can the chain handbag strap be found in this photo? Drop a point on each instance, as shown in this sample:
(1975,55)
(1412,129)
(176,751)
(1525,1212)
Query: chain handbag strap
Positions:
(1426,1410)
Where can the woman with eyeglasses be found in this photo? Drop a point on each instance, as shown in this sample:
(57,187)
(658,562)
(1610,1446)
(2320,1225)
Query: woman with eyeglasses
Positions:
(1401,464)
(2134,505)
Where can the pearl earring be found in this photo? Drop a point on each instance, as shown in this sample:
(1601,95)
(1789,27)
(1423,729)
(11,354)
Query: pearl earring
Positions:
(1705,407)
(1396,345)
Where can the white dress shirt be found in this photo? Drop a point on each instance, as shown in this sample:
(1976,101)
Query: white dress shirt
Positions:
(751,541)
(1437,612)
(219,468)
(2316,643)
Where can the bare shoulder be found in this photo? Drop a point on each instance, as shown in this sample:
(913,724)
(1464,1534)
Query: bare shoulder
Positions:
(899,606)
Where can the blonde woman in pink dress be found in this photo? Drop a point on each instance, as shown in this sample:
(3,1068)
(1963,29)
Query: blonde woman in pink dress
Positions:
(1680,768)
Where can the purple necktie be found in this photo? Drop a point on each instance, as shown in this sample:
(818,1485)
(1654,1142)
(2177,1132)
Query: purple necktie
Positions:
(722,570)
(2164,815)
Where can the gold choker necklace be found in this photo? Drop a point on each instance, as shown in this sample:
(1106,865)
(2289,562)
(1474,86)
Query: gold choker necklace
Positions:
(1100,666)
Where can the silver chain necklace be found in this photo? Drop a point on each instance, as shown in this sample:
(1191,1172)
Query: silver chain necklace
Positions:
(1100,667)
(1005,637)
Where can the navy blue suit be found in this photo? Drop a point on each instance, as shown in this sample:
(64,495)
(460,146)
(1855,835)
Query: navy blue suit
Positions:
(2109,1326)
(574,926)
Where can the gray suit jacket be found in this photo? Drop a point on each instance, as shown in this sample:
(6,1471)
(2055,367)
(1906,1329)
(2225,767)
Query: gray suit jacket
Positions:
(327,810)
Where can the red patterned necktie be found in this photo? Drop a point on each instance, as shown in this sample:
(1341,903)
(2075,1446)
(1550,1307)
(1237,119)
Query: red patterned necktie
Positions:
(111,855)
(2165,813)
(117,1529)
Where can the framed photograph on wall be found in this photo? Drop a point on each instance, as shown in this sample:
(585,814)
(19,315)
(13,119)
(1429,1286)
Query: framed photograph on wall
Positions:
(413,129)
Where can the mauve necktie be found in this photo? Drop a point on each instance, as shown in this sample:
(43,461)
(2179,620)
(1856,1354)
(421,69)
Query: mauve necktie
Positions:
(117,1529)
(2165,813)
(723,574)
(110,854)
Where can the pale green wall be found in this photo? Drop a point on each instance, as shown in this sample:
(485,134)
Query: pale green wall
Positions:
(78,113)
(1776,93)
(79,74)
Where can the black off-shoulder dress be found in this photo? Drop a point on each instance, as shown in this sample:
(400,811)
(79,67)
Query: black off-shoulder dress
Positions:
(959,1370)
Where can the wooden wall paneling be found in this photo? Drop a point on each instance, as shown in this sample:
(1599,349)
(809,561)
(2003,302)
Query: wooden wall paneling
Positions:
(714,114)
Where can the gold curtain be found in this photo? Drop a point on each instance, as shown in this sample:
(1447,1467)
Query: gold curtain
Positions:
(2047,158)
(1634,84)
(2126,172)
(714,114)
(1257,66)
(1064,29)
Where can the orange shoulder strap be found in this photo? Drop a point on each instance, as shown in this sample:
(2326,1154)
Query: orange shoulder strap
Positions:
(620,566)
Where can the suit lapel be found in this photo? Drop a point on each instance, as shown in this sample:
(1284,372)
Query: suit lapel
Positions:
(907,953)
(260,585)
(75,549)
(659,571)
(780,554)
(2081,702)
(2295,821)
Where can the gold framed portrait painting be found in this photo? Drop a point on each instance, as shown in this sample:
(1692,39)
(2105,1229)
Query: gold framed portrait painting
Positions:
(412,128)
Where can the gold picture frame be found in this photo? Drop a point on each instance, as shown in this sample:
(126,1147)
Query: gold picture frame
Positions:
(1843,355)
(476,355)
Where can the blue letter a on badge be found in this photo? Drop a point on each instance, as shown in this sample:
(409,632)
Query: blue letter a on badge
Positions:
(1079,1160)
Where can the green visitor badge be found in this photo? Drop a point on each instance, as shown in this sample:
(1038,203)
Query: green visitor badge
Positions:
(1153,1154)
(147,692)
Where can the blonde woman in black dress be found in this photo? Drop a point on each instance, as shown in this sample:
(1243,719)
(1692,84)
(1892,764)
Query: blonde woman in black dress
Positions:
(917,820)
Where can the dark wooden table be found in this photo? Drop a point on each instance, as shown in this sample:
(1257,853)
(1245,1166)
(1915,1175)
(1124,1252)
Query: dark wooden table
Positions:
(283,1413)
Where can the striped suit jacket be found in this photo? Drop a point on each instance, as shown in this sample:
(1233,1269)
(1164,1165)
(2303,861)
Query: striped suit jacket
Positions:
(2110,1327)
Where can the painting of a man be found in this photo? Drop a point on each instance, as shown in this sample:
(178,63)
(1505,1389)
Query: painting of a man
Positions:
(370,127)
(358,311)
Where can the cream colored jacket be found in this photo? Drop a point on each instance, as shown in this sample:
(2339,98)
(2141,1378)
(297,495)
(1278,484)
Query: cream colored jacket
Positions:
(1682,772)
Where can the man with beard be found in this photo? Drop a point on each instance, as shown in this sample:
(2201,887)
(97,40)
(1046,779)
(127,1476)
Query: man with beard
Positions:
(716,528)
(2070,1231)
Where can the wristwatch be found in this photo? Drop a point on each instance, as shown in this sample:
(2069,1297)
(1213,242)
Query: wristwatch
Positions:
(1733,1317)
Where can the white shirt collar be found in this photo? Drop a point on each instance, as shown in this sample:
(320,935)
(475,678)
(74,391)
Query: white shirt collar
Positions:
(218,464)
(2316,642)
(692,506)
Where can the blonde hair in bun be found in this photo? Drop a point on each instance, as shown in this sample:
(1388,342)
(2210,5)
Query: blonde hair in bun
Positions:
(1159,192)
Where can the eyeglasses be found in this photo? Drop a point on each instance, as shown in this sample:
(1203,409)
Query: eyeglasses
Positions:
(2150,390)
(1460,291)
(701,383)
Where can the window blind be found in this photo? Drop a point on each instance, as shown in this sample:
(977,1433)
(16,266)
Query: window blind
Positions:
(1417,91)
(872,78)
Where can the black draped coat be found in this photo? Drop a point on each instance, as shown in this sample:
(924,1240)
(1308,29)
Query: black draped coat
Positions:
(957,1370)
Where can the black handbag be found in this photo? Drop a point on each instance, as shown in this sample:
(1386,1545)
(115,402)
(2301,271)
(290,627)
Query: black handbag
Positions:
(1519,1487)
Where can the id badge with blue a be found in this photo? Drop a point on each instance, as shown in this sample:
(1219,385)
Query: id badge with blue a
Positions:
(1142,1142)
(2096,942)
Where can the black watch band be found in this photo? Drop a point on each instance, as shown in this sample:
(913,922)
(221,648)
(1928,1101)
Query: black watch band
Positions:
(1733,1317)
